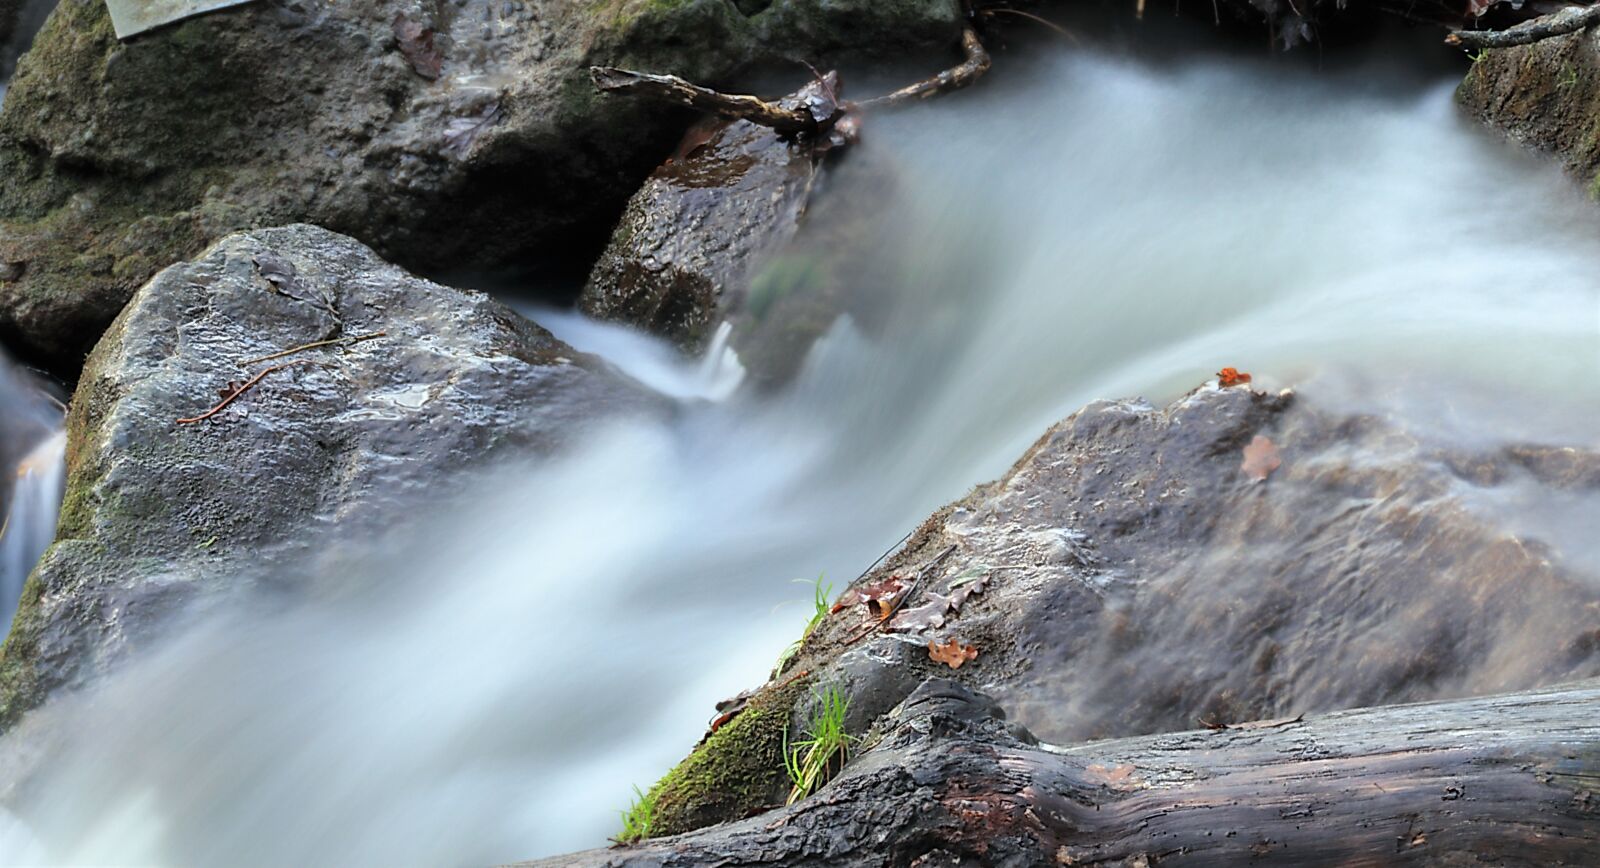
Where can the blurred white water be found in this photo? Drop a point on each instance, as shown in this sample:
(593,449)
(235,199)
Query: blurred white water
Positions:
(1095,229)
(33,459)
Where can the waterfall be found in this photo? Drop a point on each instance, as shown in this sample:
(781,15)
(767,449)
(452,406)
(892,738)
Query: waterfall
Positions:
(31,522)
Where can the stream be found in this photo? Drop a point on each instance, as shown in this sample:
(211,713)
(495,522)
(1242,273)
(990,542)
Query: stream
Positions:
(1092,227)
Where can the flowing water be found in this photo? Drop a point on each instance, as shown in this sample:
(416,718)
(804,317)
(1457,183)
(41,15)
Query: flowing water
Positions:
(32,455)
(1095,228)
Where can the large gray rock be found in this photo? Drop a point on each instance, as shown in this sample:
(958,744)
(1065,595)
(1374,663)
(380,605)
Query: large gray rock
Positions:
(445,133)
(163,516)
(1136,579)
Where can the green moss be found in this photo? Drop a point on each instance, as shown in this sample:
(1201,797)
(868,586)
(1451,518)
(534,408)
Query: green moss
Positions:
(19,675)
(737,770)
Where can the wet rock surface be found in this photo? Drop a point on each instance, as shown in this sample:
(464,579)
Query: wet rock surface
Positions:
(1137,580)
(1545,96)
(420,128)
(1130,576)
(162,517)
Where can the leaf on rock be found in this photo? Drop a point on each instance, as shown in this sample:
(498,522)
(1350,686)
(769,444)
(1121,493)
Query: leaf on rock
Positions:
(1260,458)
(461,133)
(951,653)
(1117,777)
(1229,377)
(416,43)
(932,614)
(880,596)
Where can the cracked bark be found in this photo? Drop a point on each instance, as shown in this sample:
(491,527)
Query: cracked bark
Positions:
(1506,779)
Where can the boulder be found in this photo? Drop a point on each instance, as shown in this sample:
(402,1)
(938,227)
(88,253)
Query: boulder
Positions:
(742,226)
(1235,556)
(413,385)
(1545,96)
(420,128)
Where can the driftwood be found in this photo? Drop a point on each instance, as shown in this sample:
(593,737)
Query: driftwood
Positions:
(786,116)
(1512,779)
(1568,20)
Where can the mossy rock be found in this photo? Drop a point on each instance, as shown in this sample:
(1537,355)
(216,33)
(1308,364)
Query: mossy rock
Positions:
(238,119)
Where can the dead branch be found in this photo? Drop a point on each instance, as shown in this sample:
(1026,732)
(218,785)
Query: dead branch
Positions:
(670,88)
(1568,20)
(314,345)
(777,115)
(954,78)
(232,396)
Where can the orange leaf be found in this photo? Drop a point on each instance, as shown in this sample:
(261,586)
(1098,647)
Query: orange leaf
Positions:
(1260,458)
(951,653)
(1231,377)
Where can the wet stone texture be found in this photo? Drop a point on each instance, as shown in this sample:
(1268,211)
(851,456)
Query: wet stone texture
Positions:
(447,134)
(1137,580)
(161,517)
(1545,96)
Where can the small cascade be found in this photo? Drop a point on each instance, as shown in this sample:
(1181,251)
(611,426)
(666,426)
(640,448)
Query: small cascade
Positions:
(30,524)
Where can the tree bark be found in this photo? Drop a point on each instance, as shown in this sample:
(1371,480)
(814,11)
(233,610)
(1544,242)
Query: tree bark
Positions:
(1568,20)
(1511,779)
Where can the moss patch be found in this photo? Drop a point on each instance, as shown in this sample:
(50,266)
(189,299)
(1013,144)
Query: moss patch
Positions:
(737,770)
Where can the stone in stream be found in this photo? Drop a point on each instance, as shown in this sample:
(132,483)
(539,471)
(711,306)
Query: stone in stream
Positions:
(459,135)
(1127,576)
(162,517)
(1546,96)
(774,236)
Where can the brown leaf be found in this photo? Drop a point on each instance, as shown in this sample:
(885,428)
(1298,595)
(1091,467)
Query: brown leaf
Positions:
(416,43)
(1228,377)
(1260,458)
(951,653)
(880,596)
(931,615)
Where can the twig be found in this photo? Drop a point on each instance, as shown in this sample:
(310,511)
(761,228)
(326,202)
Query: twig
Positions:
(1040,19)
(671,88)
(901,600)
(777,115)
(249,384)
(1568,20)
(311,346)
(954,78)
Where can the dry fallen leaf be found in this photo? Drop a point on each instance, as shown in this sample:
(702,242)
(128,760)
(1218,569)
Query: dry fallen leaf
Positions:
(951,653)
(1231,377)
(1260,458)
(880,597)
(931,615)
(416,44)
(1118,777)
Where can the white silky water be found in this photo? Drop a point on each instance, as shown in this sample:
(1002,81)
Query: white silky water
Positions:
(33,459)
(1095,228)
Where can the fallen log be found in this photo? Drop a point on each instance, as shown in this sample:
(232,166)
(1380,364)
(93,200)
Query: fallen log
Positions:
(1504,779)
(1568,20)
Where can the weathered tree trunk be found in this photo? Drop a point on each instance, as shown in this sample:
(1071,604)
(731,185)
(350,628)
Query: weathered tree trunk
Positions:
(1512,779)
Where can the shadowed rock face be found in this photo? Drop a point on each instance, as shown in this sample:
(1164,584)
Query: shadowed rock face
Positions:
(1545,96)
(161,516)
(1127,576)
(445,134)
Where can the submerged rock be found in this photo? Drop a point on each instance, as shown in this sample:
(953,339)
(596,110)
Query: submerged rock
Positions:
(446,135)
(1545,96)
(163,515)
(1131,575)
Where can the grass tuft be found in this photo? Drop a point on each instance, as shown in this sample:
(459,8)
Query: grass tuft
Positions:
(821,597)
(637,819)
(825,748)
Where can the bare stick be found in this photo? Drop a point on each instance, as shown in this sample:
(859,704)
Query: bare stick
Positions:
(311,346)
(670,88)
(1568,20)
(954,78)
(249,384)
